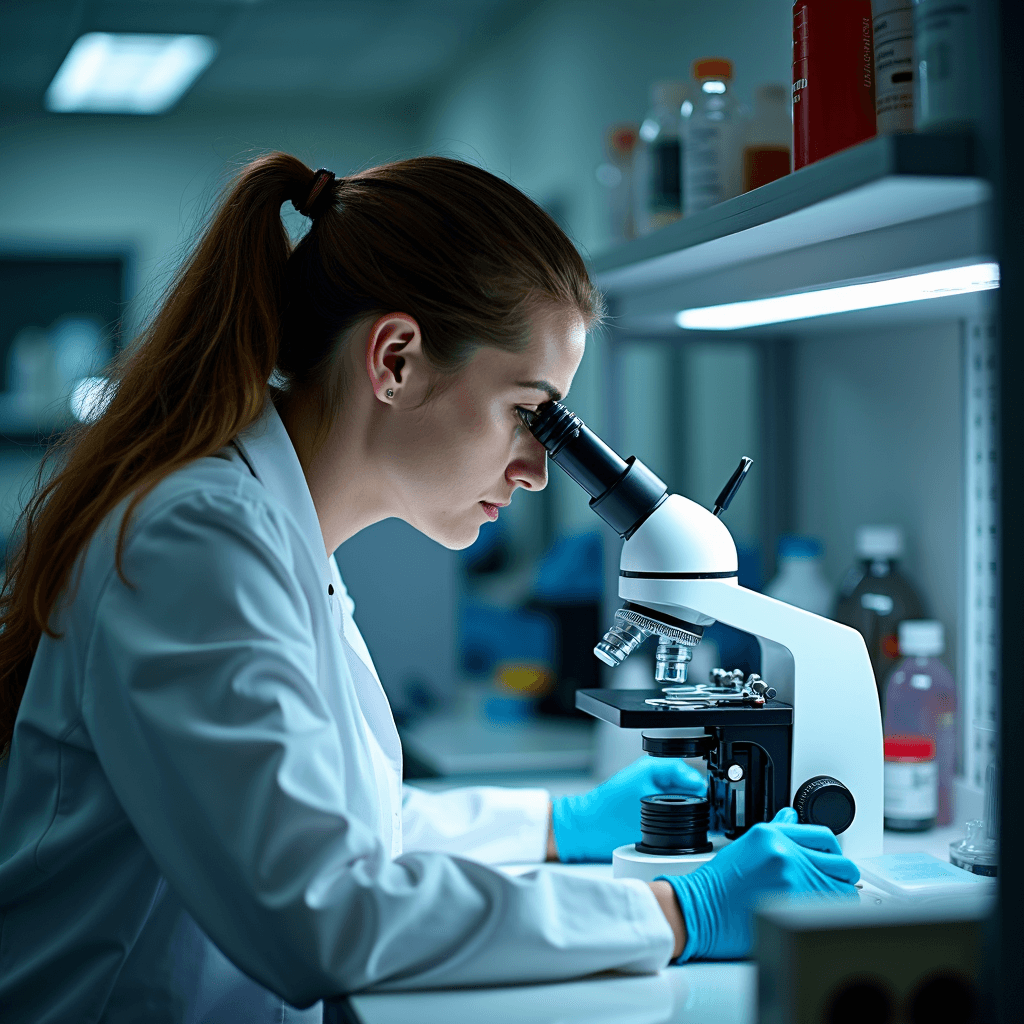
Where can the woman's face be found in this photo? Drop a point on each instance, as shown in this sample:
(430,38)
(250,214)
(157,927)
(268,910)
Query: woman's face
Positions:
(463,452)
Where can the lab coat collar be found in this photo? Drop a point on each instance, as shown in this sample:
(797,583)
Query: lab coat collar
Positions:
(269,451)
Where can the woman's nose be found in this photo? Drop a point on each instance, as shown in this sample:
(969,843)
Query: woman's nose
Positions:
(529,469)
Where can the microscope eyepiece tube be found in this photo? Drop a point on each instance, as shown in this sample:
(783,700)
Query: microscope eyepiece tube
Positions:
(623,492)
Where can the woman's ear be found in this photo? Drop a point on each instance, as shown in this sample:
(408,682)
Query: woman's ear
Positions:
(394,360)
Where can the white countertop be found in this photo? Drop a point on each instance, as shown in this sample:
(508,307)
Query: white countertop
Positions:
(691,994)
(722,993)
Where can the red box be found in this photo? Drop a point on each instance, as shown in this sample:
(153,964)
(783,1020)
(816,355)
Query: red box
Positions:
(833,77)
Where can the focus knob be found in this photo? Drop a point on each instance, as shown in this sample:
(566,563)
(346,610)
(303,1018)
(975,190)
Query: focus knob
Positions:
(825,801)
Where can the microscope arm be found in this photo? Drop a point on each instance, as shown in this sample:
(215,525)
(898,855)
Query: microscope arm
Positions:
(837,727)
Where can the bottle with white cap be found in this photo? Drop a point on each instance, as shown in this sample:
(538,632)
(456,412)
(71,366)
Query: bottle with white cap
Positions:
(876,597)
(920,699)
(713,130)
(799,579)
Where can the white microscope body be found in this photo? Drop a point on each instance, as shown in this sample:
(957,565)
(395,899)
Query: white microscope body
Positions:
(682,561)
(817,747)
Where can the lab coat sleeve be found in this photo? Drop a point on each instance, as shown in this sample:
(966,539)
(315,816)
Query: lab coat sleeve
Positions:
(201,700)
(486,823)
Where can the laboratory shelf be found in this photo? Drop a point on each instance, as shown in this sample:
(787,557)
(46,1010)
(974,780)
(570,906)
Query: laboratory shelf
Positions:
(891,204)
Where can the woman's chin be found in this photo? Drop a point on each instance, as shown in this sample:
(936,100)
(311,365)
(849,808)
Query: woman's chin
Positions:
(454,536)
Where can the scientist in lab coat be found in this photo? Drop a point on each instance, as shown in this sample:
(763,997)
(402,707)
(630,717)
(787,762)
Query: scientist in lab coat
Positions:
(201,809)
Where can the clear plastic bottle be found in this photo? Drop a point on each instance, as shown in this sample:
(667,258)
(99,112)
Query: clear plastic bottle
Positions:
(658,159)
(948,83)
(799,580)
(920,698)
(875,597)
(766,156)
(712,139)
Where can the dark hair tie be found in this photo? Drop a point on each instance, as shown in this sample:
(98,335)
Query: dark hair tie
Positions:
(319,194)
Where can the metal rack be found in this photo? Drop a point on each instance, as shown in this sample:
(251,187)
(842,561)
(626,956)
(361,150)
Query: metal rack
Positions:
(886,207)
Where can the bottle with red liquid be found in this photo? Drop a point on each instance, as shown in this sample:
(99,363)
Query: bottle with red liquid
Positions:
(833,77)
(920,698)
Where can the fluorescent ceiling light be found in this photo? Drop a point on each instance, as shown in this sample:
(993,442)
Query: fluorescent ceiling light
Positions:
(736,315)
(128,74)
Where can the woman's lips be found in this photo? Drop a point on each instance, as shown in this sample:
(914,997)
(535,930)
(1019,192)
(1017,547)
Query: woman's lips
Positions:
(491,510)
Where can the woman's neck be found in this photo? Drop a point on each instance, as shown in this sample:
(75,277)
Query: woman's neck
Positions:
(344,480)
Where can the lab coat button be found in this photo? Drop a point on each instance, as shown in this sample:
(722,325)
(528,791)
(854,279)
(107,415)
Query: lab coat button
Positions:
(330,589)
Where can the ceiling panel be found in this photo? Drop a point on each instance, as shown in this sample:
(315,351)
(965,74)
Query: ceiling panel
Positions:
(273,49)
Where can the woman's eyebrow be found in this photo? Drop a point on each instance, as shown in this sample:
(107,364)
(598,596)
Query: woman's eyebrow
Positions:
(541,385)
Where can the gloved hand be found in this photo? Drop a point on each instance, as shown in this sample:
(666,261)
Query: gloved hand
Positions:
(591,825)
(781,856)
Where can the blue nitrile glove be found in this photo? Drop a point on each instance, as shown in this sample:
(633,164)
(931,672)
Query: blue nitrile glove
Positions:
(717,899)
(591,825)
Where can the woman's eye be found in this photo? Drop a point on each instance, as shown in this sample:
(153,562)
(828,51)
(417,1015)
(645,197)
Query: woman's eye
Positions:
(526,416)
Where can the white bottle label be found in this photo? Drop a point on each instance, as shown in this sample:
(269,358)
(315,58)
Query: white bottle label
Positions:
(879,603)
(911,790)
(894,65)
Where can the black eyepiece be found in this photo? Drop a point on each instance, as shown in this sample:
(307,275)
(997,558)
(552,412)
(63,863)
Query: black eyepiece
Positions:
(624,492)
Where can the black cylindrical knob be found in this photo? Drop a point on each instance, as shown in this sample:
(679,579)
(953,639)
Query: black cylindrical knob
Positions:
(824,800)
(672,825)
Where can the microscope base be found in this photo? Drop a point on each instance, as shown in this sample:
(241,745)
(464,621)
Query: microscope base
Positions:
(628,863)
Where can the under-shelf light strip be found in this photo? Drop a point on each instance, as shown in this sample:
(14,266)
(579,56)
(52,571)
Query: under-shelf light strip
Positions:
(734,316)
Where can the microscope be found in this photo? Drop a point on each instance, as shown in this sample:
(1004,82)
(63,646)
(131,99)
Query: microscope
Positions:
(807,735)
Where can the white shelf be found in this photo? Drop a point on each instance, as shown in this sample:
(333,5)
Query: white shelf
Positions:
(891,205)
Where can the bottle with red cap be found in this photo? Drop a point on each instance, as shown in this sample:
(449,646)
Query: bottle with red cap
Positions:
(920,698)
(833,77)
(713,138)
(911,783)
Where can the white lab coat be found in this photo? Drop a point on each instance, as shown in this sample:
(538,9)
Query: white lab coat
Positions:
(202,815)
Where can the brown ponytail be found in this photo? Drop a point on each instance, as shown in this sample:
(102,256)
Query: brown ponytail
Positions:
(459,249)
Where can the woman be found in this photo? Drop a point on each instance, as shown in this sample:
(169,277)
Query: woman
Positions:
(201,809)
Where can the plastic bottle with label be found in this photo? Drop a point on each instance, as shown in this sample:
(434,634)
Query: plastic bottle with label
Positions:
(833,77)
(893,31)
(920,698)
(910,798)
(658,159)
(713,138)
(875,597)
(766,156)
(799,580)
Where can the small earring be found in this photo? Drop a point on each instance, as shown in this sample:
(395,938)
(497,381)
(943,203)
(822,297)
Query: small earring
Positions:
(389,393)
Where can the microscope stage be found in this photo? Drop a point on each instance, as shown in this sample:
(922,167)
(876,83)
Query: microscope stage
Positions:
(628,710)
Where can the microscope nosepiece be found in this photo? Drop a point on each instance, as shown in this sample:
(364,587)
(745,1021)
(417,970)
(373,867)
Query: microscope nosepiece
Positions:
(634,624)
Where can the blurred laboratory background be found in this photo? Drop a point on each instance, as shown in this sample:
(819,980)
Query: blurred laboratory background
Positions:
(856,506)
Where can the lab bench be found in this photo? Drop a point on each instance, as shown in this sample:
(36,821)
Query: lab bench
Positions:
(725,993)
